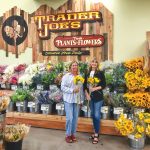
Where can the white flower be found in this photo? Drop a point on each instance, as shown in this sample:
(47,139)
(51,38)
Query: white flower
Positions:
(10,69)
(26,79)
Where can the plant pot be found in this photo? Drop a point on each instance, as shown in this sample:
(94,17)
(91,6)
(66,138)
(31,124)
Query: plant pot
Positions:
(117,111)
(46,108)
(136,143)
(60,109)
(2,124)
(11,106)
(86,111)
(105,112)
(13,145)
(22,106)
(34,107)
(8,86)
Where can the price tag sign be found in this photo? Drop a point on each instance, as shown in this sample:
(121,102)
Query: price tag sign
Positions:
(104,109)
(118,110)
(21,103)
(14,87)
(3,85)
(30,104)
(39,87)
(138,110)
(59,107)
(25,87)
(18,104)
(44,107)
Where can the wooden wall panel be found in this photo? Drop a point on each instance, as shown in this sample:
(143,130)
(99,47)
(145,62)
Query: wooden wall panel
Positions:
(39,45)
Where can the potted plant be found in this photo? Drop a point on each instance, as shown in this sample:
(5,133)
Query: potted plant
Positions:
(13,136)
(118,78)
(21,98)
(136,129)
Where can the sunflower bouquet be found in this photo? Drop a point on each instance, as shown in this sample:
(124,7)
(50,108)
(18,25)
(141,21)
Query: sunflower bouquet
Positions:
(134,64)
(78,81)
(138,126)
(138,80)
(93,81)
(139,99)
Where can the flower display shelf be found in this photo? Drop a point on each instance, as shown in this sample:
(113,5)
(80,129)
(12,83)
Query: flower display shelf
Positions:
(58,122)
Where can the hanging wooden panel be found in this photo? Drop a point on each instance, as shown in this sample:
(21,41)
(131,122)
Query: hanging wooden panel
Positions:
(101,53)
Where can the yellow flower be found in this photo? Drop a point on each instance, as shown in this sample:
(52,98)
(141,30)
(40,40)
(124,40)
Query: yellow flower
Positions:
(96,80)
(137,136)
(140,129)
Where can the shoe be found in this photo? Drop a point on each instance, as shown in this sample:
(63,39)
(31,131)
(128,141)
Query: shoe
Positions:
(91,137)
(68,139)
(96,139)
(73,138)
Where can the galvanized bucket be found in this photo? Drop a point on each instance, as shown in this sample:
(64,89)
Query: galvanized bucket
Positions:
(137,143)
(117,112)
(105,112)
(2,124)
(46,108)
(60,109)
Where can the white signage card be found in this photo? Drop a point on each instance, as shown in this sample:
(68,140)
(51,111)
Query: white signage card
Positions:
(17,104)
(21,103)
(14,87)
(30,104)
(3,85)
(25,87)
(104,109)
(40,87)
(59,107)
(44,107)
(118,110)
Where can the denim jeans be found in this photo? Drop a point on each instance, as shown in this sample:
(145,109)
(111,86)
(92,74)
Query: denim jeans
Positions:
(71,110)
(96,114)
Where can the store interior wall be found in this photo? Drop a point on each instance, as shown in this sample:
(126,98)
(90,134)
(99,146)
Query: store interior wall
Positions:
(131,22)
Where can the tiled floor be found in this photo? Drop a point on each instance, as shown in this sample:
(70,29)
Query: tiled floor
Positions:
(47,139)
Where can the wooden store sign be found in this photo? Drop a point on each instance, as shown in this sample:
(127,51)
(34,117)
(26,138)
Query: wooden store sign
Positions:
(79,41)
(64,22)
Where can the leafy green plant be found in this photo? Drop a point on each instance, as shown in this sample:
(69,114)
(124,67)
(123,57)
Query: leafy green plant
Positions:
(83,67)
(22,95)
(48,78)
(59,68)
(118,75)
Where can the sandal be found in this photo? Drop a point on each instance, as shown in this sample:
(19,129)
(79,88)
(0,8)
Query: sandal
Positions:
(95,140)
(92,137)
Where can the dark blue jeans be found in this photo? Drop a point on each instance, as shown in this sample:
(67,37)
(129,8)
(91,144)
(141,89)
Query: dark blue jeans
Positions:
(96,114)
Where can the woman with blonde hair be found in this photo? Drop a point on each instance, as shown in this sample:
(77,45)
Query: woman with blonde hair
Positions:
(94,94)
(70,91)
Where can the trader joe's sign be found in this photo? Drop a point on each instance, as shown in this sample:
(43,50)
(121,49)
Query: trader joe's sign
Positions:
(64,22)
(79,41)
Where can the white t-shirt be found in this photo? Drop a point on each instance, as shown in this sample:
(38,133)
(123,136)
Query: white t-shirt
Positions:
(92,74)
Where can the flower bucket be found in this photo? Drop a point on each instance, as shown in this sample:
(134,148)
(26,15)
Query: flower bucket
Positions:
(136,143)
(11,106)
(60,109)
(2,124)
(13,145)
(138,110)
(34,107)
(46,108)
(105,112)
(117,111)
(86,112)
(22,106)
